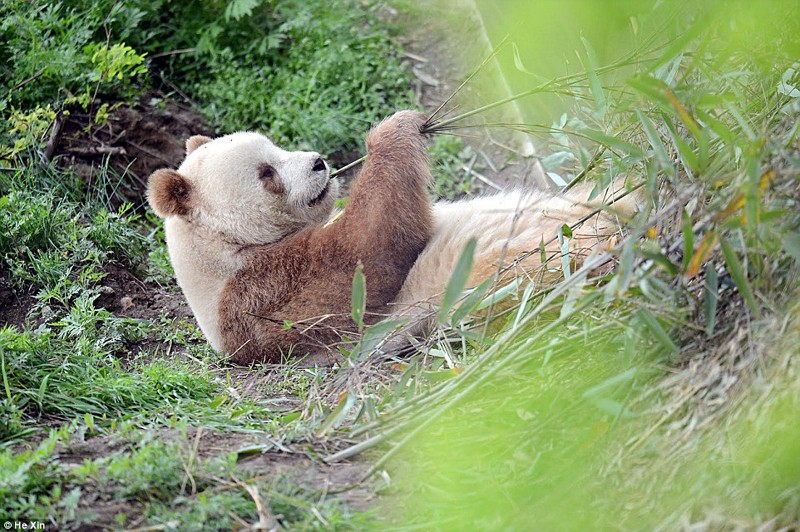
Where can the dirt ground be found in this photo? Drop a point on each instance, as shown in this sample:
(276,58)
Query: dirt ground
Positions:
(259,457)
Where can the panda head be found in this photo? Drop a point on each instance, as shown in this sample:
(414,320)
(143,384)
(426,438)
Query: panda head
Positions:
(244,189)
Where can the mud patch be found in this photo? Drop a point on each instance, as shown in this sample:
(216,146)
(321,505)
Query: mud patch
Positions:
(126,295)
(134,141)
(14,305)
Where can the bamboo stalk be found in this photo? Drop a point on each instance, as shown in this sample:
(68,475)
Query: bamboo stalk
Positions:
(348,167)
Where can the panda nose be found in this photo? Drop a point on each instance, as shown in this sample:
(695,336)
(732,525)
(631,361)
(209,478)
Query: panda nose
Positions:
(319,165)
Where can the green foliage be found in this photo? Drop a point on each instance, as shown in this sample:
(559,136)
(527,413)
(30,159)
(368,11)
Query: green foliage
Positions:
(57,54)
(448,154)
(27,479)
(311,74)
(308,73)
(47,244)
(155,469)
(561,413)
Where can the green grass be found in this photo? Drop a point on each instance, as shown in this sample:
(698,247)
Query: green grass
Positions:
(663,393)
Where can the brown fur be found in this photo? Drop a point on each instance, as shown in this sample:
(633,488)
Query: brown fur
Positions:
(305,278)
(195,142)
(270,180)
(169,193)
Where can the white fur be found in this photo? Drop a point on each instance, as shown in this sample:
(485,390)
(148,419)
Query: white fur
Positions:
(505,225)
(231,208)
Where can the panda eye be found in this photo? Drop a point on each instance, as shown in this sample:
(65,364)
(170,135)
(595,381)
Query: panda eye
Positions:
(266,172)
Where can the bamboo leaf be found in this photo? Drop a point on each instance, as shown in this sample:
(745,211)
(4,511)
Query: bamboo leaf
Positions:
(471,301)
(701,255)
(519,65)
(612,142)
(594,80)
(359,296)
(625,268)
(458,279)
(651,323)
(338,414)
(683,113)
(252,450)
(441,375)
(542,252)
(373,335)
(654,138)
(650,87)
(499,295)
(660,259)
(739,276)
(526,295)
(563,240)
(688,239)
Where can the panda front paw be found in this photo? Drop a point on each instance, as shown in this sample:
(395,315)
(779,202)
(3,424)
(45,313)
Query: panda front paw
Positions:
(401,129)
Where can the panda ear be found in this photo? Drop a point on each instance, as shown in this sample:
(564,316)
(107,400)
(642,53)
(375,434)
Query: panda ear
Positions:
(192,143)
(169,193)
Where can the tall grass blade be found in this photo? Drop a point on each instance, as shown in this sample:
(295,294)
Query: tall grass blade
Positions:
(594,80)
(338,414)
(358,299)
(688,239)
(471,301)
(701,255)
(654,138)
(739,277)
(651,323)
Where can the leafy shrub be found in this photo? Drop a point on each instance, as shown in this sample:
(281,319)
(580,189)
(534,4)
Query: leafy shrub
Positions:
(314,73)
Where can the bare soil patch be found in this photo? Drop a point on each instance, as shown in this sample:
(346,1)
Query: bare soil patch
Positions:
(260,459)
(14,303)
(135,141)
(128,296)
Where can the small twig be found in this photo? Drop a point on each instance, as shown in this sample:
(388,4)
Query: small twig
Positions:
(147,151)
(415,57)
(266,521)
(358,448)
(174,52)
(98,150)
(482,178)
(28,80)
(589,167)
(568,80)
(177,89)
(187,467)
(348,167)
(474,73)
(55,136)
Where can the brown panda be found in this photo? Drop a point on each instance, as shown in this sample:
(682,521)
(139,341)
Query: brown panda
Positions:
(267,275)
(246,231)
